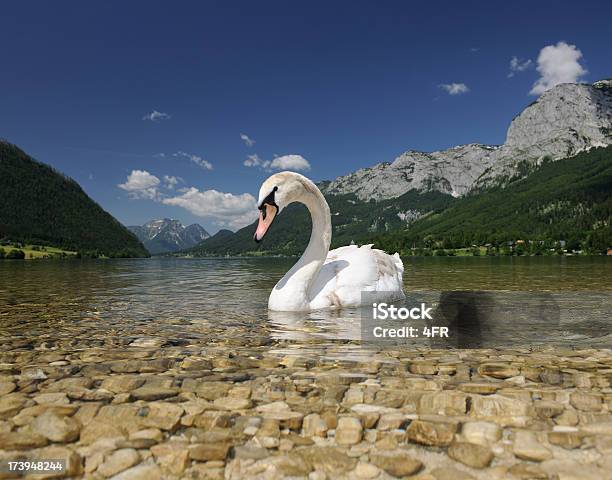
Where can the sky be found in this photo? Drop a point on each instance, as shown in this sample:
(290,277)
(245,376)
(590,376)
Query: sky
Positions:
(182,109)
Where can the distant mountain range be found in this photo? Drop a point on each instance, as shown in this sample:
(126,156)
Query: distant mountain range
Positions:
(39,205)
(168,235)
(538,185)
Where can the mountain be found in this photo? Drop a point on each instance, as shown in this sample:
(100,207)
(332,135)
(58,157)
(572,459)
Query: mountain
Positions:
(168,235)
(569,199)
(562,122)
(352,220)
(39,205)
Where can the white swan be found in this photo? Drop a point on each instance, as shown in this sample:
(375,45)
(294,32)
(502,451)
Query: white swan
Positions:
(321,278)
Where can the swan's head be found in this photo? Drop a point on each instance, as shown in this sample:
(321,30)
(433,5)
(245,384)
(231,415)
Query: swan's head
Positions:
(276,193)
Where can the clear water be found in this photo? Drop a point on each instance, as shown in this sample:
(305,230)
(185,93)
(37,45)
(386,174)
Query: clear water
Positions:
(224,302)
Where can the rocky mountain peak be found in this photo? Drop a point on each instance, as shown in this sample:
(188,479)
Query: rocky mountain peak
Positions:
(169,235)
(563,121)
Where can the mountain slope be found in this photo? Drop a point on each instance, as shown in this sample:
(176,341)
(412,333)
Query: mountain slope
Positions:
(569,200)
(168,235)
(40,205)
(563,121)
(352,220)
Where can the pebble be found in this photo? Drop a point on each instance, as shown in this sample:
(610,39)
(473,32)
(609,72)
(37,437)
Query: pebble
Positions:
(526,447)
(471,454)
(348,431)
(397,463)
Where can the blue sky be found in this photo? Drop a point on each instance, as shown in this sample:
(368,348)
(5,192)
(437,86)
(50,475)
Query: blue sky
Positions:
(340,85)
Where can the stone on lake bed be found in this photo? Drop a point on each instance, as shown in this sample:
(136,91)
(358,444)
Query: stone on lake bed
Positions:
(450,473)
(21,441)
(498,370)
(483,433)
(447,402)
(144,471)
(548,408)
(471,454)
(55,428)
(366,470)
(431,433)
(122,383)
(397,463)
(332,460)
(587,402)
(481,388)
(151,393)
(231,403)
(567,440)
(527,447)
(6,387)
(10,404)
(58,398)
(314,425)
(348,431)
(146,438)
(118,461)
(208,451)
(172,457)
(498,408)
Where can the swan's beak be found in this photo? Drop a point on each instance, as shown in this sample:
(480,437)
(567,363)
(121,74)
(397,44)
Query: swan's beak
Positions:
(267,213)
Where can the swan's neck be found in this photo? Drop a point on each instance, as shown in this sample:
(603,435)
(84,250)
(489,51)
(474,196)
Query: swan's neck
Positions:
(292,291)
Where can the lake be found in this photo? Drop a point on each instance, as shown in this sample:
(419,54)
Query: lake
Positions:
(517,301)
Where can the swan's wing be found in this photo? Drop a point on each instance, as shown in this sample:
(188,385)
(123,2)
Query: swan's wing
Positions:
(350,270)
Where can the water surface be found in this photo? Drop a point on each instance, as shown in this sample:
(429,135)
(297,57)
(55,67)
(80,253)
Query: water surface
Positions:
(224,301)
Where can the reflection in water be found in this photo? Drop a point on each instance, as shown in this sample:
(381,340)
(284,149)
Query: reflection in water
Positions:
(485,301)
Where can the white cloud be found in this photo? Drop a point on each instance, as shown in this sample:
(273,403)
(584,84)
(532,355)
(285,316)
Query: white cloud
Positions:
(156,116)
(558,64)
(249,142)
(290,162)
(254,161)
(285,162)
(171,181)
(227,209)
(454,88)
(205,164)
(518,65)
(141,184)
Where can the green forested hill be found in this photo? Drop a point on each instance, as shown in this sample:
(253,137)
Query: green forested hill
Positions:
(567,200)
(39,205)
(352,220)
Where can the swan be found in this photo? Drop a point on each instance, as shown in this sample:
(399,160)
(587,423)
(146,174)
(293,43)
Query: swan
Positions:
(324,279)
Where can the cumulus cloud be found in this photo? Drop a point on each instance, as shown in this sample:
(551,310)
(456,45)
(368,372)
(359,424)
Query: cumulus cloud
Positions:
(156,116)
(285,162)
(290,162)
(141,184)
(234,211)
(199,161)
(249,142)
(558,64)
(170,181)
(518,65)
(454,88)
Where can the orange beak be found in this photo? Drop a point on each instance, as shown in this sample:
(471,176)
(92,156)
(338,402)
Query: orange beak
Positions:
(267,213)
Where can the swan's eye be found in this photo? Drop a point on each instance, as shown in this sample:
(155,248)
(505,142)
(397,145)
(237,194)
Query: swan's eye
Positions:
(269,200)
